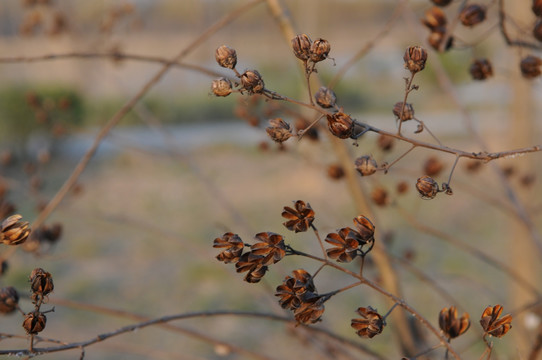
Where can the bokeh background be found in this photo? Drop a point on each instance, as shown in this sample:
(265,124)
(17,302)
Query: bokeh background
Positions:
(182,168)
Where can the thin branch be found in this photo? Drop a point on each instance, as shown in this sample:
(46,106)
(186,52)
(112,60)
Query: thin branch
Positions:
(504,32)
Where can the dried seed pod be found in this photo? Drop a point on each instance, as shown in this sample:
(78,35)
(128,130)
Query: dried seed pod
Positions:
(385,142)
(530,66)
(299,219)
(34,322)
(441,2)
(270,246)
(226,57)
(432,166)
(408,111)
(279,130)
(14,231)
(436,38)
(366,165)
(9,300)
(371,323)
(295,289)
(310,311)
(335,171)
(451,325)
(537,31)
(491,323)
(253,265)
(233,247)
(41,282)
(301,44)
(340,125)
(325,97)
(472,15)
(402,187)
(221,87)
(481,69)
(319,50)
(415,58)
(427,187)
(537,7)
(365,229)
(379,195)
(435,19)
(252,81)
(345,247)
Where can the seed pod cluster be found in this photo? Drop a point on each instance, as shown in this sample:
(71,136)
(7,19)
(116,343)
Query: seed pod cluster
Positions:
(305,49)
(435,21)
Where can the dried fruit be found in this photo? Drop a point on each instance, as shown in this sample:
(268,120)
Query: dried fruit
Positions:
(335,171)
(300,218)
(252,81)
(366,165)
(9,300)
(415,58)
(491,323)
(325,97)
(345,247)
(41,282)
(450,324)
(253,264)
(371,323)
(402,187)
(472,15)
(435,20)
(310,311)
(221,87)
(319,50)
(530,66)
(233,247)
(379,195)
(407,111)
(385,142)
(365,229)
(427,187)
(481,69)
(34,322)
(294,289)
(279,130)
(432,166)
(14,231)
(226,57)
(340,125)
(301,44)
(537,31)
(270,246)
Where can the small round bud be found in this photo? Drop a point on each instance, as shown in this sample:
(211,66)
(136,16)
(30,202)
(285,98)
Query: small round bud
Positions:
(432,166)
(472,15)
(537,31)
(9,298)
(366,165)
(279,130)
(427,187)
(34,322)
(408,111)
(537,7)
(530,66)
(301,44)
(41,282)
(221,87)
(252,81)
(481,69)
(340,125)
(226,57)
(320,50)
(14,231)
(415,58)
(325,97)
(441,2)
(435,19)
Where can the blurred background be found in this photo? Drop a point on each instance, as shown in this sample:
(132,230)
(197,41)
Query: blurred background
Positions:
(184,167)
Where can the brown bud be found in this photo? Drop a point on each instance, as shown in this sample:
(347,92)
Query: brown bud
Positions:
(481,69)
(335,171)
(379,195)
(221,87)
(537,31)
(432,166)
(325,97)
(41,282)
(402,187)
(441,2)
(537,7)
(301,44)
(530,66)
(278,130)
(472,15)
(320,49)
(415,58)
(252,81)
(340,125)
(226,57)
(435,19)
(34,322)
(9,298)
(14,231)
(366,165)
(436,38)
(408,111)
(427,187)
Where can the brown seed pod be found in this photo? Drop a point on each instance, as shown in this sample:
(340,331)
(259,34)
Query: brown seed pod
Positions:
(252,81)
(226,57)
(441,2)
(472,15)
(14,231)
(325,97)
(221,87)
(319,51)
(232,245)
(41,282)
(435,19)
(385,142)
(299,218)
(537,31)
(335,171)
(301,44)
(9,299)
(408,111)
(481,69)
(371,323)
(379,195)
(340,125)
(451,325)
(530,66)
(537,7)
(491,323)
(415,58)
(433,166)
(279,130)
(34,322)
(427,187)
(366,165)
